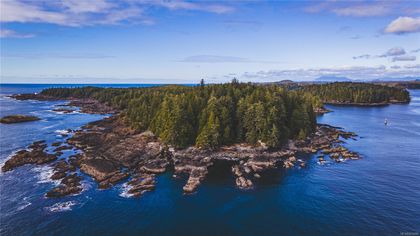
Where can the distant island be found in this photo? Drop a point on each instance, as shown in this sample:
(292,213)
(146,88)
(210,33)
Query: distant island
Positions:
(17,119)
(332,79)
(351,93)
(186,129)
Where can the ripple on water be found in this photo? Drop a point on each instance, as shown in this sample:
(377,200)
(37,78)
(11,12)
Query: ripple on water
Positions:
(24,204)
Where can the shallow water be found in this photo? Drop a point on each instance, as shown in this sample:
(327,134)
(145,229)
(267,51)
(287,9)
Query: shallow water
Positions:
(379,194)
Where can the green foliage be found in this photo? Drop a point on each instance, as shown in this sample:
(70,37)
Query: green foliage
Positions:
(209,116)
(348,92)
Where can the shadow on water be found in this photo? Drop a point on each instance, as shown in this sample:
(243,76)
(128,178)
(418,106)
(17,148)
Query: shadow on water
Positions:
(221,172)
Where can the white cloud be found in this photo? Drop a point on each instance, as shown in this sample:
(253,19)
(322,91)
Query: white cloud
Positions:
(16,11)
(95,12)
(81,6)
(404,58)
(403,25)
(184,5)
(5,33)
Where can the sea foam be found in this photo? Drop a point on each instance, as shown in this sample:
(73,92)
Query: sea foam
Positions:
(61,206)
(124,190)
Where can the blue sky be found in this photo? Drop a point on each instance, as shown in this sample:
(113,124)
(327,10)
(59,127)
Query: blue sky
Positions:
(143,41)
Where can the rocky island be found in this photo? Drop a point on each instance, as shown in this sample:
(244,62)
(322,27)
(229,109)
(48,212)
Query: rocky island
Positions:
(18,119)
(185,130)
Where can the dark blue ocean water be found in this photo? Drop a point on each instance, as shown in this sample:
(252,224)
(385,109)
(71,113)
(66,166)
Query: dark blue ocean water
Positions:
(377,195)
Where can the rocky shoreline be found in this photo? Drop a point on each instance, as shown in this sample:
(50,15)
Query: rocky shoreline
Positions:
(88,106)
(111,152)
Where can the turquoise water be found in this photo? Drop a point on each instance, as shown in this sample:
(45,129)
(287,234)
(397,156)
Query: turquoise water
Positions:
(377,195)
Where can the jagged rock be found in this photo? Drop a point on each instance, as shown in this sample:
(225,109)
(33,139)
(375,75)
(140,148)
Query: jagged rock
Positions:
(142,184)
(113,180)
(69,185)
(288,164)
(244,183)
(34,156)
(58,175)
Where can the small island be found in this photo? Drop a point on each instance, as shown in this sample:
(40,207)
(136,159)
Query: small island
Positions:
(187,129)
(18,119)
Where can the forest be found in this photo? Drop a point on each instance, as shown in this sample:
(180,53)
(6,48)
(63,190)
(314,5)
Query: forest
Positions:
(357,93)
(209,116)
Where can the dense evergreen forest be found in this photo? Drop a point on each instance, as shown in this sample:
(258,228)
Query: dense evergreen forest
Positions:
(209,116)
(212,115)
(350,92)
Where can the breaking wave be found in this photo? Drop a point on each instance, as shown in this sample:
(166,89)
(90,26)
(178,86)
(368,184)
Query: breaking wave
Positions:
(124,190)
(61,206)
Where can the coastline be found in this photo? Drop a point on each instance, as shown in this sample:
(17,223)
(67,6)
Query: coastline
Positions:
(112,152)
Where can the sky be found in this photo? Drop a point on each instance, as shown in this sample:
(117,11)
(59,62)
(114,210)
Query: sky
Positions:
(162,41)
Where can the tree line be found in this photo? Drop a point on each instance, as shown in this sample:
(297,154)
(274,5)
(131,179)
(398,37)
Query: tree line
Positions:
(209,116)
(350,92)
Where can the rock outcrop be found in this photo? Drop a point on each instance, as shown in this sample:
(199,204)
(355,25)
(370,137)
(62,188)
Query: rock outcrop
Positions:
(18,119)
(35,155)
(112,152)
(69,185)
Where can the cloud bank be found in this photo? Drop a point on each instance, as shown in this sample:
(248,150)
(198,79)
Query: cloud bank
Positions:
(76,13)
(352,72)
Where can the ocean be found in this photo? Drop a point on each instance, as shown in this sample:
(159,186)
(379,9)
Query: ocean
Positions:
(376,195)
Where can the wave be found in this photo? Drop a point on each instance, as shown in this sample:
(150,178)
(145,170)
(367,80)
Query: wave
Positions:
(85,186)
(62,131)
(124,190)
(25,204)
(44,175)
(61,206)
(49,127)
